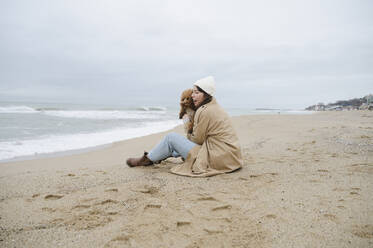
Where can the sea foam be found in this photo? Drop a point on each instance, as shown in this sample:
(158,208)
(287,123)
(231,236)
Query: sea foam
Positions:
(136,113)
(105,114)
(57,143)
(17,110)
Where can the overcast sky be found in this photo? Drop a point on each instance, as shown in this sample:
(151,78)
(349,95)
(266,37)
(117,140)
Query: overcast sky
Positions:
(287,54)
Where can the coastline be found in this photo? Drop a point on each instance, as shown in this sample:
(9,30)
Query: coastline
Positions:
(56,154)
(306,179)
(34,129)
(70,152)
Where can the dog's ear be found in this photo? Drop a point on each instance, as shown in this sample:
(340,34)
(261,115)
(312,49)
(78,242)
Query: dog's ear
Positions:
(190,92)
(192,104)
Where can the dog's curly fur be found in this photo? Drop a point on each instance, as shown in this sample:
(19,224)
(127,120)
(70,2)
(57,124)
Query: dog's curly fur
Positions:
(187,107)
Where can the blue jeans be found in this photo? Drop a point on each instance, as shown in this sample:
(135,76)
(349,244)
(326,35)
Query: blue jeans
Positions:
(172,145)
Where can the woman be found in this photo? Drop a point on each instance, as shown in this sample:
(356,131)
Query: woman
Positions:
(212,148)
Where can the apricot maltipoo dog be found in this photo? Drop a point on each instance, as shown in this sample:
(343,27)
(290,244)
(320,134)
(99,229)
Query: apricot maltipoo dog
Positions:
(187,107)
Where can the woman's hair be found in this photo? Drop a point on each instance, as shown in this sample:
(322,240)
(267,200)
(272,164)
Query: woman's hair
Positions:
(207,97)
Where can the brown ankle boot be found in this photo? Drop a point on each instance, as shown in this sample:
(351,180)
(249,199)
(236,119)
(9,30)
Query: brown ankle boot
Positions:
(142,161)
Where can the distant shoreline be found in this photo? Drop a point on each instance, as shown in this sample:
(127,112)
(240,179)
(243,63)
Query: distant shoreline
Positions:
(42,129)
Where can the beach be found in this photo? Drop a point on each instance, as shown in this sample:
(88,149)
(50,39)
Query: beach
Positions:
(307,181)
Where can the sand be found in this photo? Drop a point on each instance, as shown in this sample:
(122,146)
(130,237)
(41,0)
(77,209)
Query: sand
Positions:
(307,181)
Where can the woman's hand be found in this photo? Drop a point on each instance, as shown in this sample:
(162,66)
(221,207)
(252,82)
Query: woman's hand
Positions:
(186,118)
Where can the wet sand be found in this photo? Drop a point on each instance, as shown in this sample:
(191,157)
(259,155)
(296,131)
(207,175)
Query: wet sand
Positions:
(307,181)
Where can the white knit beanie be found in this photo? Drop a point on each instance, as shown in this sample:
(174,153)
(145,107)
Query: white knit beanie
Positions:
(207,84)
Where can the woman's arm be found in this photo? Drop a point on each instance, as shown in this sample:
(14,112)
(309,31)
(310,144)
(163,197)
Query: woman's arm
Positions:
(187,123)
(200,127)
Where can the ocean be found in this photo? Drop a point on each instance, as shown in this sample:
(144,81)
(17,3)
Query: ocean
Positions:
(28,129)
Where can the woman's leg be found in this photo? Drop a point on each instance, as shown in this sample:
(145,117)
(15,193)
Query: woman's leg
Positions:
(171,144)
(175,154)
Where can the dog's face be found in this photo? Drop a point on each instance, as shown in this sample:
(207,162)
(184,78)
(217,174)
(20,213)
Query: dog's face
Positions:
(186,98)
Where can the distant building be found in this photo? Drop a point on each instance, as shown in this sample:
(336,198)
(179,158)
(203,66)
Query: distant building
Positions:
(368,104)
(369,99)
(320,107)
(364,103)
(334,108)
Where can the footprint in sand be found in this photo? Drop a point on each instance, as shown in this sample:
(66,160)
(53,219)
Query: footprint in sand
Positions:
(85,220)
(152,206)
(258,175)
(122,240)
(50,210)
(103,172)
(108,201)
(363,168)
(222,207)
(122,237)
(183,223)
(53,197)
(243,178)
(365,137)
(331,217)
(356,189)
(334,155)
(271,216)
(89,199)
(314,181)
(111,190)
(207,198)
(146,189)
(253,176)
(81,207)
(363,231)
(211,230)
(272,173)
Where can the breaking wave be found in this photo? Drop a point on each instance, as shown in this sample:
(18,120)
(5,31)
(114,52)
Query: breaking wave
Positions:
(17,110)
(100,114)
(58,143)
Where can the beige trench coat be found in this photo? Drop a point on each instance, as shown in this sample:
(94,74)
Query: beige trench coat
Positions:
(217,151)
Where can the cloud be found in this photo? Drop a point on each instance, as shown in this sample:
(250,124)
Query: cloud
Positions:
(133,50)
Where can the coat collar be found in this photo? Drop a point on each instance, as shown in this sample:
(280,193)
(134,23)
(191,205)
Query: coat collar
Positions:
(213,101)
